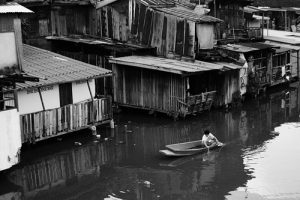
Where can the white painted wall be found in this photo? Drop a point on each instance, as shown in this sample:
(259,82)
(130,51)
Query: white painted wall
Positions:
(81,92)
(8,52)
(205,35)
(29,100)
(10,142)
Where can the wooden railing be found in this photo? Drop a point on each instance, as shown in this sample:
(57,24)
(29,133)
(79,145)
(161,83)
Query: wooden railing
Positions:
(197,103)
(240,35)
(50,123)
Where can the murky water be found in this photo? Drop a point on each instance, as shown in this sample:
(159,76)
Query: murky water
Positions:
(260,161)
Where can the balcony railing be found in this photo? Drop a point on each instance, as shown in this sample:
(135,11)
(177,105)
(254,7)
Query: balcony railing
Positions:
(50,123)
(196,103)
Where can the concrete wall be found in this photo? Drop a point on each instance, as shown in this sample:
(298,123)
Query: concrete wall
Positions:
(10,142)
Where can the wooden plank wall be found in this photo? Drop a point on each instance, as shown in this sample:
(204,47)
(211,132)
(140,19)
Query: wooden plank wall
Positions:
(46,124)
(7,23)
(168,33)
(148,89)
(233,15)
(72,20)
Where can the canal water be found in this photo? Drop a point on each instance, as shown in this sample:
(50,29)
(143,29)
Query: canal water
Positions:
(260,160)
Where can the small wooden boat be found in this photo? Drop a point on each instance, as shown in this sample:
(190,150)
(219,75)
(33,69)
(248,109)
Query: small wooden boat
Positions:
(187,148)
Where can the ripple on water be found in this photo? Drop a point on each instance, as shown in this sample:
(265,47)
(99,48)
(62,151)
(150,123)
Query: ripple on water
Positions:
(275,167)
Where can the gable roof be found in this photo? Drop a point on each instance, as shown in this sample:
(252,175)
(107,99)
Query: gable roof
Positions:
(52,68)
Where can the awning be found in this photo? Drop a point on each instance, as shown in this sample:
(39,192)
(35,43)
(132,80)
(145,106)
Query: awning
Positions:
(167,65)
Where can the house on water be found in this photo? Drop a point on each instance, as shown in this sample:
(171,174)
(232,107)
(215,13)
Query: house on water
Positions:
(11,71)
(64,100)
(174,87)
(171,28)
(173,81)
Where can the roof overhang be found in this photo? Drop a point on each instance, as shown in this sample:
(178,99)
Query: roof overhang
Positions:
(13,7)
(180,67)
(246,47)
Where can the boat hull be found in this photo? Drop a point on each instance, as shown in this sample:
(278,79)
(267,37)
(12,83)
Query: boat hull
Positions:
(187,148)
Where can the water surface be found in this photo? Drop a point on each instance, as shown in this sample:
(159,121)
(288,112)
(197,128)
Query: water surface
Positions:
(260,160)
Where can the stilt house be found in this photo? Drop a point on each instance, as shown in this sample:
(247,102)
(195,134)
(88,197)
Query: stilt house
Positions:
(65,98)
(174,87)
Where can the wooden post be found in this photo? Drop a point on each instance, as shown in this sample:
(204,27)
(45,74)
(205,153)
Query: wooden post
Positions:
(39,89)
(19,43)
(88,84)
(285,21)
(16,99)
(130,15)
(298,70)
(1,98)
(124,85)
(215,9)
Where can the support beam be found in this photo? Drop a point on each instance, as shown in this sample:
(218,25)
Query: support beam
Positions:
(42,101)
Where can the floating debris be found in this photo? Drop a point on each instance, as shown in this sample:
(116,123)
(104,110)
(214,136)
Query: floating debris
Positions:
(147,183)
(78,143)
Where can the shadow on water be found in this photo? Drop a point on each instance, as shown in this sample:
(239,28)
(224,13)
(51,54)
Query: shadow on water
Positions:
(125,163)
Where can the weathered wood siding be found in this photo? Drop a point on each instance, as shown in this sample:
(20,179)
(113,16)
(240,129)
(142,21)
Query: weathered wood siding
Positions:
(70,20)
(231,87)
(231,12)
(134,22)
(50,123)
(148,89)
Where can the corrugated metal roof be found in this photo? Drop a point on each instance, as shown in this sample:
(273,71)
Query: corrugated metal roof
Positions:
(158,3)
(53,68)
(166,65)
(12,7)
(246,47)
(229,65)
(288,46)
(190,15)
(282,36)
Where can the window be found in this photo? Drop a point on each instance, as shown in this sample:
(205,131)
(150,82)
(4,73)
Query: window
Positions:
(65,94)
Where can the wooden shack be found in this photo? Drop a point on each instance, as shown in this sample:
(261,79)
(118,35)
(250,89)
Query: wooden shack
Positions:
(170,27)
(267,65)
(11,64)
(292,62)
(174,87)
(234,27)
(64,100)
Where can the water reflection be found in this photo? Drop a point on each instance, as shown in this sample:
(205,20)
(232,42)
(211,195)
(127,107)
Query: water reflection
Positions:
(255,163)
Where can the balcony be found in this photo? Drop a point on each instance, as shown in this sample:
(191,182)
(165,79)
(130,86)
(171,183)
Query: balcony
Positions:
(51,123)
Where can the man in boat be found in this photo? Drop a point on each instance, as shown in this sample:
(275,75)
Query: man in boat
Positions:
(209,140)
